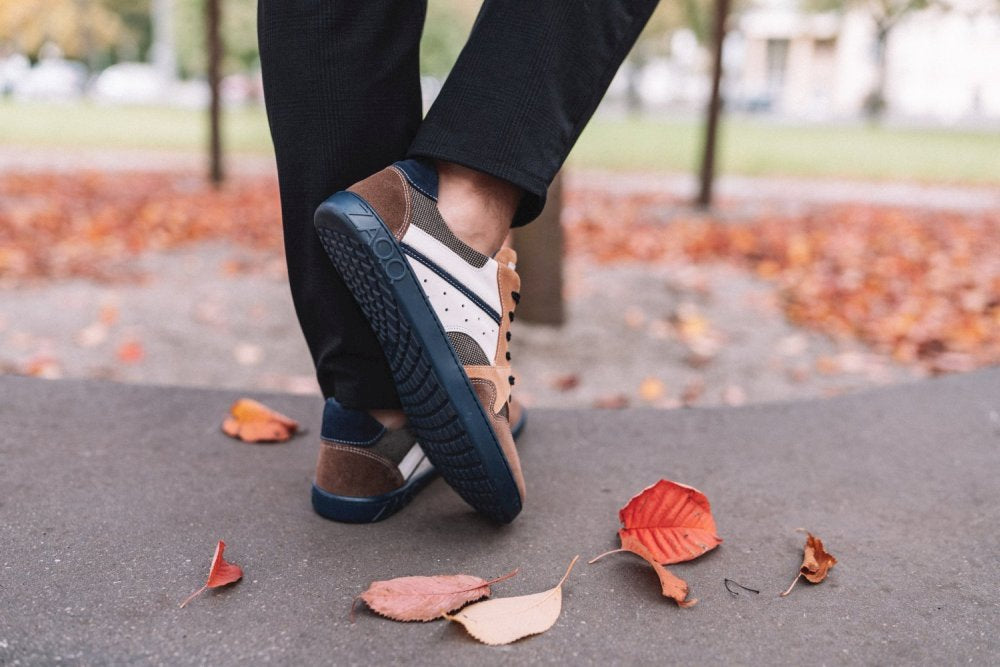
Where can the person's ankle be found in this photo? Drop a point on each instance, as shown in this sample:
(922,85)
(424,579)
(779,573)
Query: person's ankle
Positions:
(477,207)
(391,419)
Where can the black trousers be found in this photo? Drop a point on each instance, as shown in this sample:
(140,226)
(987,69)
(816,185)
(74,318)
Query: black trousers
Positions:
(342,90)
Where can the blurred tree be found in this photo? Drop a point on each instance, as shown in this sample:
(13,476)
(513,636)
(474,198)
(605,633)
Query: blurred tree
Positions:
(87,30)
(714,111)
(886,15)
(667,18)
(238,24)
(214,50)
(445,31)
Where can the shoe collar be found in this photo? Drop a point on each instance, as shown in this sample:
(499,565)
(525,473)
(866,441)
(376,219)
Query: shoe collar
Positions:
(421,174)
(349,427)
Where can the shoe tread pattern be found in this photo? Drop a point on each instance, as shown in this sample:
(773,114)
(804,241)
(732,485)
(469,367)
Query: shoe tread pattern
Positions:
(432,417)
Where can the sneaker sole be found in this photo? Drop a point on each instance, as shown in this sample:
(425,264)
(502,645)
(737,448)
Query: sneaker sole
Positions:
(440,403)
(369,509)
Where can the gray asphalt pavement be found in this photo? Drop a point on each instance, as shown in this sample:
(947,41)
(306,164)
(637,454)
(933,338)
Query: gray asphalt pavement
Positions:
(113,497)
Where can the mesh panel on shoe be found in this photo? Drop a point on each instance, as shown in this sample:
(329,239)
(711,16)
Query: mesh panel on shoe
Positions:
(468,350)
(394,445)
(427,217)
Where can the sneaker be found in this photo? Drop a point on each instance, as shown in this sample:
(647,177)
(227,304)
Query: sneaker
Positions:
(367,473)
(442,313)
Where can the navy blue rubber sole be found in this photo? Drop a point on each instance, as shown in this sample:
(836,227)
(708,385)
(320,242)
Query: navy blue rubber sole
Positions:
(369,509)
(440,404)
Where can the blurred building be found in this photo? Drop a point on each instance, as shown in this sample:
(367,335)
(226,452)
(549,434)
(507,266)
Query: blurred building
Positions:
(941,66)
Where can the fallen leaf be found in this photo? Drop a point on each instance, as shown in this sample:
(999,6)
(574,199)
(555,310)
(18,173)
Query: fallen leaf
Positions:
(505,620)
(651,389)
(565,382)
(671,585)
(816,562)
(693,391)
(131,352)
(425,598)
(672,520)
(251,421)
(611,402)
(221,573)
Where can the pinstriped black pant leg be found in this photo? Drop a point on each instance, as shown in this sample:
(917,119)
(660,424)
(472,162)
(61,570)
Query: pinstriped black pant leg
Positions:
(342,90)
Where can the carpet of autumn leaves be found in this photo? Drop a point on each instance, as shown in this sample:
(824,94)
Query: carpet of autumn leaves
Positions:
(73,224)
(923,286)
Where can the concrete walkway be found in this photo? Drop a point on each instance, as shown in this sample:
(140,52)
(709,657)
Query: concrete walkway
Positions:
(112,497)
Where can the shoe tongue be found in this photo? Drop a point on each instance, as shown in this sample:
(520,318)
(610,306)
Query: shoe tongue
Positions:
(354,427)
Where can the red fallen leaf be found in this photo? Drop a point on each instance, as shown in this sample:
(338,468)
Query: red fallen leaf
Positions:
(673,521)
(565,382)
(221,573)
(816,562)
(131,352)
(425,598)
(251,421)
(671,585)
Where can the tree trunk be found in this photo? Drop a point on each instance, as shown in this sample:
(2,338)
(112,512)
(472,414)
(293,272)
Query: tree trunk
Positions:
(213,35)
(539,249)
(707,177)
(874,105)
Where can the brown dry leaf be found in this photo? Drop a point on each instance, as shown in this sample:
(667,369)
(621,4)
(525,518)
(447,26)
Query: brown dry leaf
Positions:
(251,421)
(816,562)
(566,382)
(671,585)
(505,620)
(425,598)
(611,402)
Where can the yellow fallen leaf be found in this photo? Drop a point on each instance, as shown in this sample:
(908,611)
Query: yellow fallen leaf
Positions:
(505,620)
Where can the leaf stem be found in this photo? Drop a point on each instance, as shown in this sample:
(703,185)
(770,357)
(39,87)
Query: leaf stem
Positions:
(794,581)
(606,553)
(568,570)
(194,595)
(499,579)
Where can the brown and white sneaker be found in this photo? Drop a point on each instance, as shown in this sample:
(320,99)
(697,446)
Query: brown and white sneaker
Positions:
(442,312)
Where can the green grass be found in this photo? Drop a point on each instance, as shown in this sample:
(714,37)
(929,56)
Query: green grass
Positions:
(758,148)
(750,147)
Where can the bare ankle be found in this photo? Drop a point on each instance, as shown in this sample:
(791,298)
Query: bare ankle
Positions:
(391,419)
(477,207)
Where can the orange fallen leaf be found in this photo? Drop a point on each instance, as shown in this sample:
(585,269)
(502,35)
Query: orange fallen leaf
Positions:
(816,562)
(651,389)
(251,421)
(221,573)
(673,521)
(671,585)
(131,352)
(505,620)
(425,598)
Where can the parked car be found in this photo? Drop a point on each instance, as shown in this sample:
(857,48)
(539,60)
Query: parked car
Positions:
(130,83)
(52,79)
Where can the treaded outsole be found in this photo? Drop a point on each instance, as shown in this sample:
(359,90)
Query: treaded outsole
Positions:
(441,406)
(370,509)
